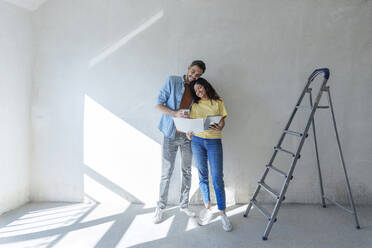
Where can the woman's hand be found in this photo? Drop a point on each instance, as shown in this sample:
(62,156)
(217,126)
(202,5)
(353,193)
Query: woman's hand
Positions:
(219,126)
(189,135)
(215,127)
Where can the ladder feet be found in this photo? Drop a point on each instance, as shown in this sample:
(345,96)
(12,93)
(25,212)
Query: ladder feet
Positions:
(264,238)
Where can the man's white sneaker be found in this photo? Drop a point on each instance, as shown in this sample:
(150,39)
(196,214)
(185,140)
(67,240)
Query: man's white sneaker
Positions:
(205,217)
(226,224)
(188,212)
(158,217)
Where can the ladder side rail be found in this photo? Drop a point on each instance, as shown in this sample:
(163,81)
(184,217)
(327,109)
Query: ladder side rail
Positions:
(317,155)
(309,122)
(278,145)
(342,158)
(287,180)
(253,199)
(294,162)
(289,121)
(311,78)
(279,201)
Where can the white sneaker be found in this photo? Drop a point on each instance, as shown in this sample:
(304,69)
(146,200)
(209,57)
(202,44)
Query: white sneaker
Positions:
(188,212)
(158,217)
(226,224)
(205,216)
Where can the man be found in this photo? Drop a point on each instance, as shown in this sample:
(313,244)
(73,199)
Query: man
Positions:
(174,97)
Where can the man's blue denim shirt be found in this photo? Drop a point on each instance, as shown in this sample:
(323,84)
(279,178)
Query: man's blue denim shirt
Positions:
(170,95)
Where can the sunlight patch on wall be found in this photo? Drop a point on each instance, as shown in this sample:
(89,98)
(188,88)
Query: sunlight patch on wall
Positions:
(111,49)
(121,162)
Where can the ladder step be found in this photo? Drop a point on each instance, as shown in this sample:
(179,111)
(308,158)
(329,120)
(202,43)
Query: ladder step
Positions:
(283,150)
(293,133)
(269,189)
(277,170)
(310,107)
(326,88)
(262,209)
(304,107)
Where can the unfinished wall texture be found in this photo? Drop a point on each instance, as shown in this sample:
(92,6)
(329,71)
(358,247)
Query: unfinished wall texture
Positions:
(15,95)
(99,65)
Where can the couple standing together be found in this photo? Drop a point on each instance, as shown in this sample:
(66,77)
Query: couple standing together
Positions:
(194,93)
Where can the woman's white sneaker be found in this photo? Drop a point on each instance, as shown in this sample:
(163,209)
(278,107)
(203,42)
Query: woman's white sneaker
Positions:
(226,224)
(205,216)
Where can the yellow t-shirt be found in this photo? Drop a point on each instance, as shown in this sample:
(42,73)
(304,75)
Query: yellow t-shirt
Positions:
(205,108)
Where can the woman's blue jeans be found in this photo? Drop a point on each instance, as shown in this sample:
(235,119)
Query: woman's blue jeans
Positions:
(205,150)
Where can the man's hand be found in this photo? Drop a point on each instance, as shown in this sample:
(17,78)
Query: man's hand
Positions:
(181,113)
(175,113)
(189,135)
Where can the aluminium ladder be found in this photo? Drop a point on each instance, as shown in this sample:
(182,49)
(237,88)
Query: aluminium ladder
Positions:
(280,196)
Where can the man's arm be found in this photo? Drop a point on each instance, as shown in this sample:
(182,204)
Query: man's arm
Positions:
(165,110)
(163,98)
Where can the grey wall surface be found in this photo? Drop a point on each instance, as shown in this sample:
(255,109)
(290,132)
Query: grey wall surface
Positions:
(258,55)
(15,99)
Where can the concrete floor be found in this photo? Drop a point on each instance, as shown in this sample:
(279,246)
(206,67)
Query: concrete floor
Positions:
(92,224)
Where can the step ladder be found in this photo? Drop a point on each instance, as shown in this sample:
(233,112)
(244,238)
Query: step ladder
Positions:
(295,155)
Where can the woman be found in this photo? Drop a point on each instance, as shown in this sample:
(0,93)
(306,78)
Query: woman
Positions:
(206,146)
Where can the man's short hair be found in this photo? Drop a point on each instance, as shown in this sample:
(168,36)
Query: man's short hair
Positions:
(199,63)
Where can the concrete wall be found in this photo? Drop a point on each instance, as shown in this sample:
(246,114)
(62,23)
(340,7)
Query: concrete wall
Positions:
(100,64)
(15,92)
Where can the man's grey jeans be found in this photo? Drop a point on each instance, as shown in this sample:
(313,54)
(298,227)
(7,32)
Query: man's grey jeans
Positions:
(169,152)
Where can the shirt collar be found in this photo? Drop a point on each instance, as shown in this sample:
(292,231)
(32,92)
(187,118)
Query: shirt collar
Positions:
(183,80)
